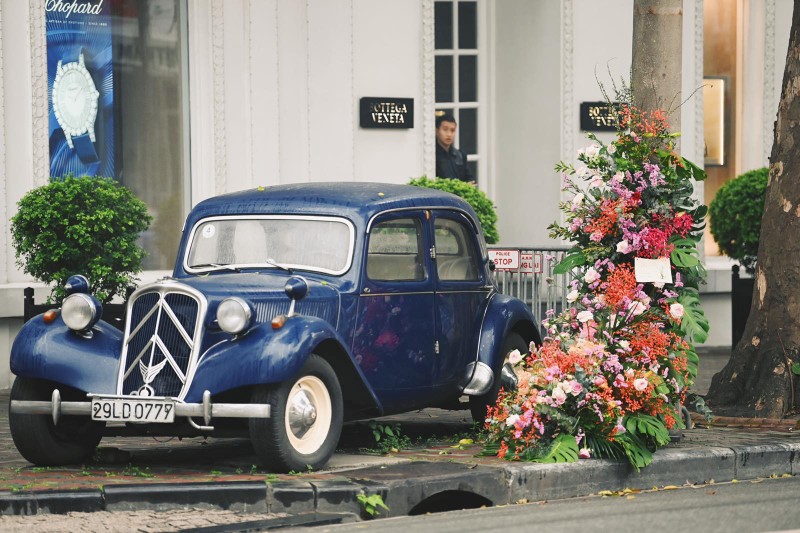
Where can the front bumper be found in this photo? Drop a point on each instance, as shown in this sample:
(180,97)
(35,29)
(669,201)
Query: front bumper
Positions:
(205,410)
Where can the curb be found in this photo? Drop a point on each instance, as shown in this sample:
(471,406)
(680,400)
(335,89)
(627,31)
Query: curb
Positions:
(417,487)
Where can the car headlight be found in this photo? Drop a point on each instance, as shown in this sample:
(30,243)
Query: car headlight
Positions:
(234,315)
(81,311)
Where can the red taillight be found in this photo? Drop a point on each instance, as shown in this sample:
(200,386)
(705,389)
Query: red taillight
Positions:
(278,321)
(50,316)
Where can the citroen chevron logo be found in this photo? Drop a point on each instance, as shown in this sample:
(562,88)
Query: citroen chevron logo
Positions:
(155,346)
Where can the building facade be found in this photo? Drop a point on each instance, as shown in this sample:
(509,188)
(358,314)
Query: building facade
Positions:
(212,96)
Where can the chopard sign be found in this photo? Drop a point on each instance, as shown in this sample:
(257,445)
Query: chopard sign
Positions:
(85,8)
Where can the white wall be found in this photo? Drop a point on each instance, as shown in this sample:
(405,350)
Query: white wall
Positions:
(527,118)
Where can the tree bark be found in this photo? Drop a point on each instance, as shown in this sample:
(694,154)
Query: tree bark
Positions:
(657,57)
(757,381)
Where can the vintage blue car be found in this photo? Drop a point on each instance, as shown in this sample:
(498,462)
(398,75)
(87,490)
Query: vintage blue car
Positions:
(290,310)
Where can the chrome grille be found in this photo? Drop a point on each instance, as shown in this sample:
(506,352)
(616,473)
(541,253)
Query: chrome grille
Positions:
(161,341)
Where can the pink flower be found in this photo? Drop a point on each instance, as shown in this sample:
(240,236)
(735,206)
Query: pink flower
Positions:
(585,316)
(596,236)
(676,311)
(575,388)
(514,357)
(623,247)
(584,453)
(640,384)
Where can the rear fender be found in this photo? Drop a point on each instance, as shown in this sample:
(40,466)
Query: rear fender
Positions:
(56,353)
(505,314)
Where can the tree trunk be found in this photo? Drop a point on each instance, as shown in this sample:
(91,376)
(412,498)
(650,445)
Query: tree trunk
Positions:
(657,57)
(757,381)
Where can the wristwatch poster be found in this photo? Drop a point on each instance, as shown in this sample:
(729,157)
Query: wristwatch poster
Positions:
(81,89)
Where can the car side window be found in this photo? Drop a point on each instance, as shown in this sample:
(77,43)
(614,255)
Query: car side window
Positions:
(456,257)
(395,251)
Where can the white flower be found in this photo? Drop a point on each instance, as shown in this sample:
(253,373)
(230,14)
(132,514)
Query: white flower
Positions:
(572,296)
(625,345)
(676,310)
(585,316)
(578,200)
(597,181)
(582,171)
(637,308)
(592,150)
(511,420)
(612,149)
(514,357)
(559,395)
(640,384)
(623,247)
(591,275)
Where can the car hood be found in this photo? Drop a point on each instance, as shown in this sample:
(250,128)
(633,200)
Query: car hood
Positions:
(266,293)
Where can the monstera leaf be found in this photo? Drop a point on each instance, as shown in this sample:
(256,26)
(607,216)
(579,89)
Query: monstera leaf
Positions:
(694,324)
(563,450)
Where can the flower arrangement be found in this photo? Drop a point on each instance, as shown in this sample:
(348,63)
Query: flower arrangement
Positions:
(614,367)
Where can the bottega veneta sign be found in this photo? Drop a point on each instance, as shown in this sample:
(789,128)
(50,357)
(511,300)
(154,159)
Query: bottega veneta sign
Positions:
(387,112)
(599,116)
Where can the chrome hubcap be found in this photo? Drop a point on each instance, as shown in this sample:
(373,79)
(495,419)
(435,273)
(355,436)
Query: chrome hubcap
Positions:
(302,414)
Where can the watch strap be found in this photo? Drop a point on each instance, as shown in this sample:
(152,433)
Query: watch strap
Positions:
(85,148)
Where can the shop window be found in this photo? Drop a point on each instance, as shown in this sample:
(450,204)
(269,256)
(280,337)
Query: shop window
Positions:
(118,76)
(457,60)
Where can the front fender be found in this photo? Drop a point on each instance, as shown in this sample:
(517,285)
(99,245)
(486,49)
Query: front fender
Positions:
(263,355)
(56,353)
(504,315)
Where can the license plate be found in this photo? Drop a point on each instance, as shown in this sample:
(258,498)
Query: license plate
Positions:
(159,411)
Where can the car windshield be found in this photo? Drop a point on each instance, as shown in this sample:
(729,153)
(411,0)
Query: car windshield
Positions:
(323,244)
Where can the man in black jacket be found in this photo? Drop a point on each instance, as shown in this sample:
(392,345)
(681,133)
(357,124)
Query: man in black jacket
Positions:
(450,161)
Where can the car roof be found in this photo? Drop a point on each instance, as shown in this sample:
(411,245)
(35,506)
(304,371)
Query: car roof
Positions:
(355,200)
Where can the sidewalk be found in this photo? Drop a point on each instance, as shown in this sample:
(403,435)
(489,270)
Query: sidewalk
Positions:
(145,474)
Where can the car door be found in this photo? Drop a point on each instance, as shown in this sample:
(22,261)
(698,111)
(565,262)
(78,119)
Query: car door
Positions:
(461,293)
(394,340)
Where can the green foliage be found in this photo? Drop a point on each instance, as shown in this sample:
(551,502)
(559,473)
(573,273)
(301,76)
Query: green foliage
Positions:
(371,503)
(694,324)
(563,450)
(474,196)
(388,438)
(735,216)
(83,226)
(569,262)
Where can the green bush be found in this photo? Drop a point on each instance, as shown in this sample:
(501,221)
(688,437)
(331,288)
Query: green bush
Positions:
(83,226)
(474,196)
(735,216)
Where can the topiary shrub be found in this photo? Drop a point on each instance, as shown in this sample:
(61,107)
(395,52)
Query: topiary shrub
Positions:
(735,216)
(474,196)
(83,226)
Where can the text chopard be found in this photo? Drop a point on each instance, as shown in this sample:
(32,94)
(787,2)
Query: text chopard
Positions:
(86,8)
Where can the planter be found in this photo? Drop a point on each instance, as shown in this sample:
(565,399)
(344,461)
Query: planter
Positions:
(741,300)
(114,314)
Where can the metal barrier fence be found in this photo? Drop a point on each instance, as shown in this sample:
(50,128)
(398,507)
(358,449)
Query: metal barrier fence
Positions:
(527,274)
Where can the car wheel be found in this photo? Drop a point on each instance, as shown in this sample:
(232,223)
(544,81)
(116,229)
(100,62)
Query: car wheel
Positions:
(504,377)
(38,440)
(305,422)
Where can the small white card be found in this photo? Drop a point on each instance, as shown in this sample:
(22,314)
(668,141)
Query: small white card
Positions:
(653,270)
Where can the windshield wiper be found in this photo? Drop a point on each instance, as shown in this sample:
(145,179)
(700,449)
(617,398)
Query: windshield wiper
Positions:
(216,265)
(271,262)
